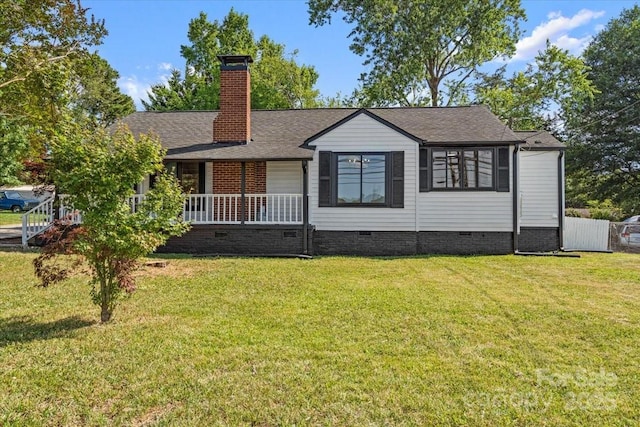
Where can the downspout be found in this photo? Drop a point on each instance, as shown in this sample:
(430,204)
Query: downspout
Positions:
(516,228)
(305,207)
(561,199)
(243,168)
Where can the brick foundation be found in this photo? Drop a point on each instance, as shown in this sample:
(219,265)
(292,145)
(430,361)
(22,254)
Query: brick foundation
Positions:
(465,243)
(230,239)
(391,243)
(271,240)
(539,239)
(368,243)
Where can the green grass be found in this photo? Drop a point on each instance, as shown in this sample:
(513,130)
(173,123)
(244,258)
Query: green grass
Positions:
(10,218)
(499,340)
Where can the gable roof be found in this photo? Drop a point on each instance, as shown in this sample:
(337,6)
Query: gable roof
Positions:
(282,134)
(539,140)
(367,113)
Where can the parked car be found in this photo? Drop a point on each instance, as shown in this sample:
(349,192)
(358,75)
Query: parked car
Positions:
(630,236)
(635,218)
(16,202)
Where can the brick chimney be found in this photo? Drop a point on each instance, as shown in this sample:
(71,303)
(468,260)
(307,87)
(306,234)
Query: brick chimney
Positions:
(233,122)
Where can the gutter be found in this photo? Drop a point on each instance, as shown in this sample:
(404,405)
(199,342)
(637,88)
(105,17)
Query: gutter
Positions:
(305,207)
(561,200)
(516,225)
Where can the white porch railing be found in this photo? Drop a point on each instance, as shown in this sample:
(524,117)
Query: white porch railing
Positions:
(268,209)
(37,220)
(228,208)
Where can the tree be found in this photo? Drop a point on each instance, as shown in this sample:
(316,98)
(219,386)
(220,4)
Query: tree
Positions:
(556,80)
(98,171)
(47,70)
(604,136)
(414,47)
(34,34)
(95,94)
(13,147)
(277,81)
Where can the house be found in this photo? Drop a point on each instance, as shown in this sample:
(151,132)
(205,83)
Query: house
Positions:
(374,181)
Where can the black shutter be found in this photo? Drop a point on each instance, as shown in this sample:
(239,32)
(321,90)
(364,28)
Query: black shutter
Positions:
(503,169)
(201,178)
(324,179)
(397,179)
(424,169)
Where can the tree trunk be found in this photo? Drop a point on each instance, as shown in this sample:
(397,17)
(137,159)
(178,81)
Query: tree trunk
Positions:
(433,87)
(105,314)
(105,297)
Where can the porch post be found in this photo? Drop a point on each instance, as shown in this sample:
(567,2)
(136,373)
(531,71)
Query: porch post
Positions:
(242,190)
(305,207)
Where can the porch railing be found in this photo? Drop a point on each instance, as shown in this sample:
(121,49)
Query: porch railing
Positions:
(37,220)
(268,209)
(229,209)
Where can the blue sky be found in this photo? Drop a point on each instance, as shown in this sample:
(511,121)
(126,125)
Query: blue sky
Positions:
(145,35)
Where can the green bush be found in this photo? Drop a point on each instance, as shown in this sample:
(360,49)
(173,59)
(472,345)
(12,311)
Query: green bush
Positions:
(604,210)
(574,213)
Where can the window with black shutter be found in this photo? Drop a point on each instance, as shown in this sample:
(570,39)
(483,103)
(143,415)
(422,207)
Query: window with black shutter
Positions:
(361,179)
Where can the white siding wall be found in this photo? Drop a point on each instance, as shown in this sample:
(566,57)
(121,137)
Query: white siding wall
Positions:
(363,133)
(539,188)
(467,210)
(284,177)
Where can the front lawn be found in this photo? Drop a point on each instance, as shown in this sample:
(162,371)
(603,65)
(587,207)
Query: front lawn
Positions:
(10,218)
(500,340)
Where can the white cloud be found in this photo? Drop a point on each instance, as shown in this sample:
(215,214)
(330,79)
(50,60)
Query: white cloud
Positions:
(556,30)
(132,86)
(138,87)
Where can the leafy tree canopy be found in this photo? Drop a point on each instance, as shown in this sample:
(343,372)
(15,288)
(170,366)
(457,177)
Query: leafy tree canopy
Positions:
(421,52)
(13,147)
(604,137)
(99,170)
(555,80)
(46,70)
(277,81)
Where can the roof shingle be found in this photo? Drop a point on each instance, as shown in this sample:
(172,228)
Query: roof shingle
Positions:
(281,134)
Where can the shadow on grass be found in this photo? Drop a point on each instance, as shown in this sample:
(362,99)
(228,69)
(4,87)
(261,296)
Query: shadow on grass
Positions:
(24,329)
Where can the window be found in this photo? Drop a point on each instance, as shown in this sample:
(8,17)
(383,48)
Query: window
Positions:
(361,179)
(465,169)
(190,174)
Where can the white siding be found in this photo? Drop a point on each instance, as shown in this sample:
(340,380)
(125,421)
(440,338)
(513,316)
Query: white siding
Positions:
(539,188)
(467,210)
(284,177)
(363,133)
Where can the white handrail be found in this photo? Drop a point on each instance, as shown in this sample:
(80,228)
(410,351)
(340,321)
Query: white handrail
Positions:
(37,220)
(270,209)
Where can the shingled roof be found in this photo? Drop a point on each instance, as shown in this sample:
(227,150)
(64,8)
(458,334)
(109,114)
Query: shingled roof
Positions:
(539,140)
(283,134)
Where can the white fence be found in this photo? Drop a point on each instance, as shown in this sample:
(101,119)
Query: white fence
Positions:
(586,234)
